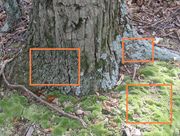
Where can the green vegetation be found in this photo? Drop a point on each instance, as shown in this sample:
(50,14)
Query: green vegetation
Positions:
(152,104)
(105,113)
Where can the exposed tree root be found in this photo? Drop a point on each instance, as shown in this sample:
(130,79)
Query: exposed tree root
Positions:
(21,87)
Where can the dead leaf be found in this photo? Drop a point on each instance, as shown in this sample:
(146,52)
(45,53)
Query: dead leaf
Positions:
(51,98)
(48,130)
(56,101)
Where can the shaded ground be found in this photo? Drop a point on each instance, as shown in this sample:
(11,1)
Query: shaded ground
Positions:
(157,18)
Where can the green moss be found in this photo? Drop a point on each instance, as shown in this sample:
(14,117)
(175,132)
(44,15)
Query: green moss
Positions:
(95,107)
(118,120)
(33,113)
(89,102)
(147,72)
(169,80)
(153,133)
(135,92)
(139,103)
(163,64)
(157,80)
(102,98)
(12,107)
(2,118)
(159,116)
(69,109)
(161,88)
(64,124)
(94,115)
(137,110)
(82,132)
(121,88)
(127,79)
(63,98)
(100,130)
(150,101)
(45,124)
(58,131)
(130,116)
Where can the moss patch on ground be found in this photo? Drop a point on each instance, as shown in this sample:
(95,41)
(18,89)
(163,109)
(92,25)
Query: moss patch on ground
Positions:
(151,104)
(105,113)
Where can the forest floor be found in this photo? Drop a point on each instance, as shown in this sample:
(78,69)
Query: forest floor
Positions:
(105,113)
(159,19)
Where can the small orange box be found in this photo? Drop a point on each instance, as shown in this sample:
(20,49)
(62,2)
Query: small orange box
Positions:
(53,49)
(136,61)
(170,115)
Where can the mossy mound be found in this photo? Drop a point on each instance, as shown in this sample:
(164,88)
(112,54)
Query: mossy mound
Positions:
(152,104)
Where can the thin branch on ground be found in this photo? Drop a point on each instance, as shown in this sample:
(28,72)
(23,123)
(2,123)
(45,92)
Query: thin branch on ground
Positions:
(136,67)
(134,73)
(21,87)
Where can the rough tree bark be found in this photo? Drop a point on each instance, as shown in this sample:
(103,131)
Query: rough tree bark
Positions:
(91,26)
(88,25)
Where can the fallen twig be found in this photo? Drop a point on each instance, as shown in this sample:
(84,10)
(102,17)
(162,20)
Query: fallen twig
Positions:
(136,67)
(30,130)
(134,73)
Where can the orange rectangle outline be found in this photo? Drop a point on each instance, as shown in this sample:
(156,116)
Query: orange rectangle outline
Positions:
(137,61)
(53,49)
(171,104)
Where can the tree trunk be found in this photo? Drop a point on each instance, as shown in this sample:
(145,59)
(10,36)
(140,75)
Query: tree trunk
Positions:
(88,25)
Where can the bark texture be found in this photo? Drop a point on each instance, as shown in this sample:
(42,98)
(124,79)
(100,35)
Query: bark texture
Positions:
(55,67)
